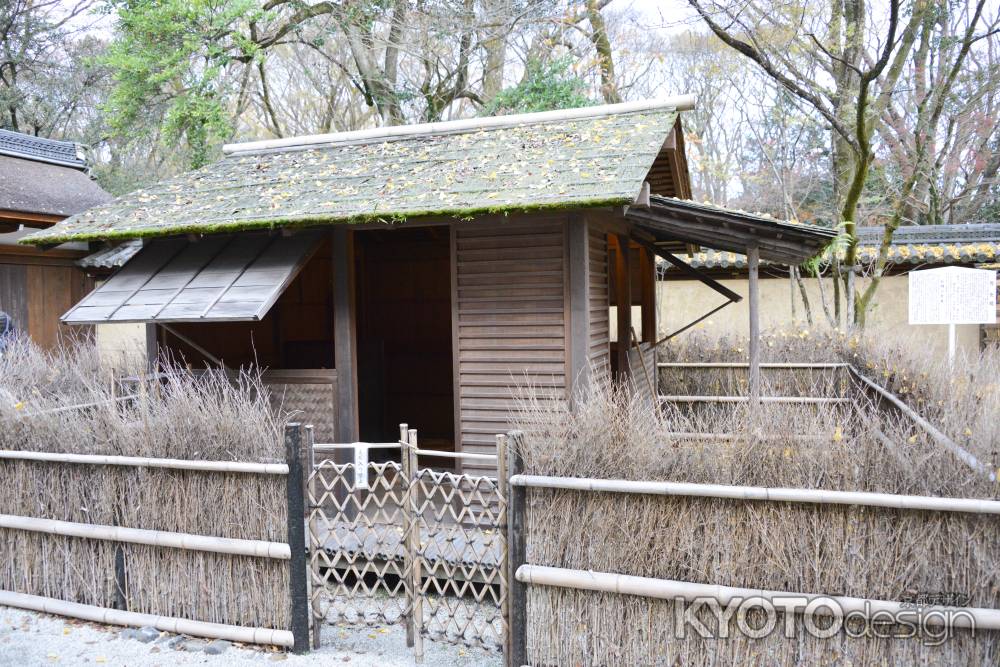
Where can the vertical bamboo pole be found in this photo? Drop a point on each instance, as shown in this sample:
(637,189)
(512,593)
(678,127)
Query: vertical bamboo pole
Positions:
(516,650)
(406,507)
(298,594)
(316,617)
(413,546)
(753,262)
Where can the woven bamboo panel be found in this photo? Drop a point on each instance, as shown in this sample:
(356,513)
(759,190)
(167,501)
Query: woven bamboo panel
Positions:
(450,573)
(462,554)
(358,565)
(310,396)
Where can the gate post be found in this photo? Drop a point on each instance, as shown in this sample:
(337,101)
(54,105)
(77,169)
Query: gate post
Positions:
(309,463)
(516,650)
(407,509)
(298,581)
(413,546)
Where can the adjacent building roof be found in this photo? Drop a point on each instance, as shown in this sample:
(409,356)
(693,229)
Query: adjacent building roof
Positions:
(931,244)
(570,159)
(39,149)
(45,177)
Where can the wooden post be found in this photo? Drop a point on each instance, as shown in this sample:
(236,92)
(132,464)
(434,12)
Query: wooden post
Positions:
(345,339)
(121,580)
(413,546)
(503,478)
(152,348)
(753,300)
(309,465)
(516,650)
(623,301)
(408,554)
(298,594)
(578,251)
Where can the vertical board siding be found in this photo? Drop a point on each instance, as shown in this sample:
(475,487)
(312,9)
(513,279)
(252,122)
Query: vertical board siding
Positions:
(510,323)
(14,294)
(600,332)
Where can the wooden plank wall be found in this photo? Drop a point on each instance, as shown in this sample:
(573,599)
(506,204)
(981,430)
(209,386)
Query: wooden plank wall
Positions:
(36,289)
(509,324)
(600,332)
(14,293)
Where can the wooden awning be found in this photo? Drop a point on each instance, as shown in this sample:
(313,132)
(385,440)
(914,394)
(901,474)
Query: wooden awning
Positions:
(672,220)
(227,278)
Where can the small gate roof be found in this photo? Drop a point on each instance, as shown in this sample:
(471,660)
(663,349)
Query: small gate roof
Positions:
(595,156)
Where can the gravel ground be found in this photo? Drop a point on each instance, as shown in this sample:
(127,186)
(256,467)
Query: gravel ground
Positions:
(28,638)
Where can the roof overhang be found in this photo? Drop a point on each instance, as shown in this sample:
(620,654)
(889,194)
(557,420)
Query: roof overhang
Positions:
(671,221)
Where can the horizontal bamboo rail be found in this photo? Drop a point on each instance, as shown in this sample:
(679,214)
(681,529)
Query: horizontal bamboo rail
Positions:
(143,462)
(325,446)
(80,406)
(469,456)
(155,538)
(670,589)
(745,365)
(805,400)
(729,437)
(774,494)
(183,626)
(963,454)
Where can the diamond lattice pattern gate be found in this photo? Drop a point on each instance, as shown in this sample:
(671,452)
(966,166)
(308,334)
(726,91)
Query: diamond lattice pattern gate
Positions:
(402,544)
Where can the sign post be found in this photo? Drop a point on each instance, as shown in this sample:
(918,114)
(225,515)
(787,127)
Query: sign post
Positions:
(953,295)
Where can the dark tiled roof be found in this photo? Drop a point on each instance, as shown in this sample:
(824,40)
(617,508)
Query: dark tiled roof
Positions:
(65,153)
(600,159)
(933,244)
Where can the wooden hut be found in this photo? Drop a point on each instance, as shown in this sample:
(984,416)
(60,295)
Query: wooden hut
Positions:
(42,182)
(418,273)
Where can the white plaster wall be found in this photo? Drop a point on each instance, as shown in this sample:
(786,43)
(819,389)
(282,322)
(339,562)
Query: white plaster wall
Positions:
(122,345)
(681,301)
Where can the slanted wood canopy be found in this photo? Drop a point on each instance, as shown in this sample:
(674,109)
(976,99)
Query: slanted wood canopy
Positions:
(669,221)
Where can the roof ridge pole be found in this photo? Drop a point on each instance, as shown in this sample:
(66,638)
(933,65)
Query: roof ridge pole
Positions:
(753,300)
(675,103)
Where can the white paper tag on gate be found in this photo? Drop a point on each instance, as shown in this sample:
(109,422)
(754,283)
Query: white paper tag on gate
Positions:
(361,467)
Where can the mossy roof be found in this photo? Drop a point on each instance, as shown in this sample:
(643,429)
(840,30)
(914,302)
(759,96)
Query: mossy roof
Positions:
(569,163)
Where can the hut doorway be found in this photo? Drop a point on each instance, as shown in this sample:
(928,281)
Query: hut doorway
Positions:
(404,335)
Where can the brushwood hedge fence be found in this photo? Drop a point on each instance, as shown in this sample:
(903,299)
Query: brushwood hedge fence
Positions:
(185,545)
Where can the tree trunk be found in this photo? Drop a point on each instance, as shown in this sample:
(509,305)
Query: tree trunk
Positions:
(602,44)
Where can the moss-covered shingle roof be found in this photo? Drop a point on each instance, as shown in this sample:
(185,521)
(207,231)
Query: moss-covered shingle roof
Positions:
(564,163)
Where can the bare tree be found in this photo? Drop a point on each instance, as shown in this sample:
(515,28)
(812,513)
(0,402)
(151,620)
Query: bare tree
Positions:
(844,63)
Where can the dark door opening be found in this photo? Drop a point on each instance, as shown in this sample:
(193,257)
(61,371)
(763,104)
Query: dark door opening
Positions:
(404,337)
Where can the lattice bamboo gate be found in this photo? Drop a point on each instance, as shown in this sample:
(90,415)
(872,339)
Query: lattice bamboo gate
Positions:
(392,542)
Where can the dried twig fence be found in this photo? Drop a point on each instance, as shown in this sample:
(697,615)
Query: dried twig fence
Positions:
(678,592)
(160,552)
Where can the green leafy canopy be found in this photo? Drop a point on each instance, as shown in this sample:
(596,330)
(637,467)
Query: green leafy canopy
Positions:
(170,60)
(544,87)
